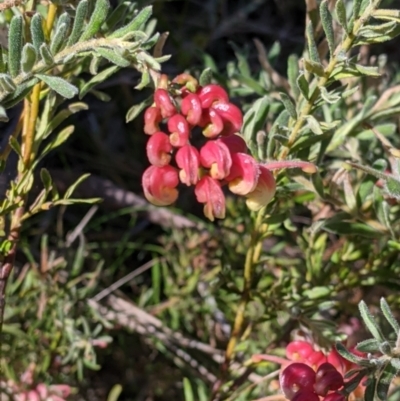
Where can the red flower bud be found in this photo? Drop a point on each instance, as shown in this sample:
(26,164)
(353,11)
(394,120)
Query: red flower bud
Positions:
(188,160)
(305,395)
(152,119)
(212,122)
(179,129)
(263,192)
(231,116)
(191,108)
(188,81)
(296,377)
(334,397)
(215,155)
(164,103)
(212,93)
(235,143)
(159,185)
(327,379)
(209,192)
(298,350)
(243,176)
(158,149)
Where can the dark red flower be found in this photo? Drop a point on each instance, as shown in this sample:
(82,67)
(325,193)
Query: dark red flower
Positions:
(327,379)
(296,377)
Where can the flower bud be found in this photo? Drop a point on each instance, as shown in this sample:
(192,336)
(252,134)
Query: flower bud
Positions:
(188,160)
(298,350)
(305,395)
(212,123)
(164,103)
(263,192)
(215,155)
(244,173)
(209,192)
(191,108)
(188,81)
(212,93)
(327,379)
(179,129)
(296,377)
(231,116)
(152,119)
(159,185)
(158,149)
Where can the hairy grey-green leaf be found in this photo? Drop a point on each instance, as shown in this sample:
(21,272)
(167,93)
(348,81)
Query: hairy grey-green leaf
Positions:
(58,39)
(46,55)
(389,316)
(329,97)
(97,79)
(37,31)
(136,109)
(369,321)
(94,64)
(315,68)
(289,105)
(114,56)
(312,46)
(340,9)
(58,140)
(370,345)
(293,72)
(356,8)
(15,37)
(97,19)
(3,115)
(303,85)
(79,21)
(2,62)
(206,77)
(392,186)
(59,85)
(20,93)
(6,83)
(149,60)
(378,38)
(144,80)
(135,24)
(327,24)
(29,57)
(372,31)
(118,14)
(314,125)
(384,381)
(391,15)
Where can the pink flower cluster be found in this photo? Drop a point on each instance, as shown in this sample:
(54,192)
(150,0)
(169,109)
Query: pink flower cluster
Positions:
(314,374)
(193,141)
(37,392)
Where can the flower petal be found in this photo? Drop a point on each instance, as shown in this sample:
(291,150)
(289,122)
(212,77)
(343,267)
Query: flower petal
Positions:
(158,149)
(209,192)
(159,185)
(191,108)
(179,129)
(296,377)
(231,116)
(263,192)
(244,174)
(215,155)
(212,123)
(164,102)
(188,81)
(152,119)
(235,143)
(212,93)
(188,160)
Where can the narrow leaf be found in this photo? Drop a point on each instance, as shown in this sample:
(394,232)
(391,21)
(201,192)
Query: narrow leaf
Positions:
(136,109)
(356,8)
(206,77)
(79,21)
(289,105)
(7,84)
(391,15)
(392,186)
(389,316)
(15,37)
(46,54)
(369,394)
(57,141)
(340,9)
(348,355)
(113,56)
(314,68)
(59,85)
(327,24)
(72,188)
(314,125)
(384,380)
(135,24)
(29,57)
(37,31)
(370,345)
(20,93)
(97,19)
(58,39)
(3,115)
(303,85)
(293,72)
(102,76)
(312,46)
(370,322)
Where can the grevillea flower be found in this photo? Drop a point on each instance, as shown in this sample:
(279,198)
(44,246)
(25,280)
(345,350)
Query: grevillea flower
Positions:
(305,395)
(152,119)
(211,94)
(296,377)
(191,108)
(158,149)
(179,129)
(263,192)
(231,116)
(212,123)
(188,160)
(159,185)
(299,350)
(208,191)
(327,379)
(164,103)
(235,143)
(244,173)
(215,155)
(187,81)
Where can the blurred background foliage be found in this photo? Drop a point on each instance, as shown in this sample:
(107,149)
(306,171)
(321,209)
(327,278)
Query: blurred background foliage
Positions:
(180,275)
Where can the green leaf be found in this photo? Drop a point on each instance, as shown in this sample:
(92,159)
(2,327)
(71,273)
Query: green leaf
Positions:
(348,355)
(144,80)
(29,57)
(384,380)
(97,19)
(79,21)
(206,77)
(187,390)
(370,322)
(97,79)
(59,85)
(312,46)
(114,393)
(314,125)
(136,109)
(114,56)
(289,105)
(389,316)
(15,146)
(303,85)
(142,17)
(315,68)
(293,72)
(356,9)
(37,31)
(7,84)
(72,188)
(58,39)
(46,179)
(20,93)
(3,115)
(340,9)
(46,55)
(369,394)
(391,15)
(392,187)
(370,345)
(327,25)
(15,37)
(330,98)
(60,138)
